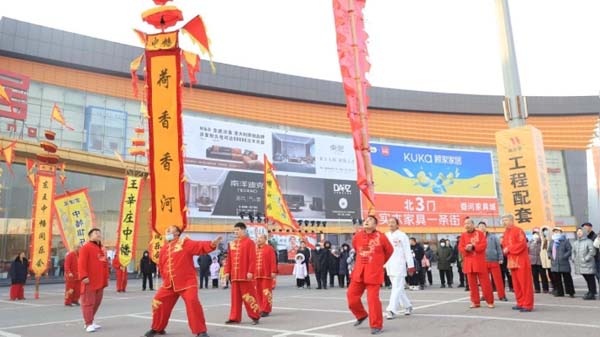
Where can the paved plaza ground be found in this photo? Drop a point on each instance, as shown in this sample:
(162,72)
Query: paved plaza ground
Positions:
(302,312)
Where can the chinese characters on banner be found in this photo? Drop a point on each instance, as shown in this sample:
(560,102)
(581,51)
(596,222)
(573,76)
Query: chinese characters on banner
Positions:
(166,149)
(41,232)
(129,219)
(433,187)
(75,217)
(523,177)
(276,208)
(154,246)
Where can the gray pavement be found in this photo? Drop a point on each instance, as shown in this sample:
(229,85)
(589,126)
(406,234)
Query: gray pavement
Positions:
(302,312)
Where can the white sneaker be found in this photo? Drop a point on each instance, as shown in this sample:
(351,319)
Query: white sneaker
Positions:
(96,326)
(90,328)
(408,311)
(390,315)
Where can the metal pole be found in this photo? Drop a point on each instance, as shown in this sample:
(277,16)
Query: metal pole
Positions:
(515,106)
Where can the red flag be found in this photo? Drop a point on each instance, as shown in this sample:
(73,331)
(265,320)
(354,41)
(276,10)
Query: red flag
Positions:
(9,155)
(58,116)
(196,30)
(133,67)
(192,63)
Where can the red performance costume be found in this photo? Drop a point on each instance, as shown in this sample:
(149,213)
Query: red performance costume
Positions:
(93,265)
(241,260)
(72,283)
(518,262)
(265,267)
(176,267)
(372,252)
(121,273)
(475,266)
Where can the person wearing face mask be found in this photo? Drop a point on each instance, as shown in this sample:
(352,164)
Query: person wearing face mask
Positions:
(546,262)
(147,268)
(180,279)
(445,258)
(373,250)
(317,262)
(514,243)
(584,262)
(240,269)
(559,251)
(534,248)
(343,278)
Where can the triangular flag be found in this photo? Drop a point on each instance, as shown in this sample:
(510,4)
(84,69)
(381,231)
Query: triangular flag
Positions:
(276,208)
(62,180)
(9,155)
(133,67)
(4,97)
(192,62)
(30,164)
(196,30)
(57,116)
(31,178)
(119,157)
(141,35)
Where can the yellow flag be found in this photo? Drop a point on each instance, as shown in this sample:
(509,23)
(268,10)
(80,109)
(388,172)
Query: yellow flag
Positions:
(276,208)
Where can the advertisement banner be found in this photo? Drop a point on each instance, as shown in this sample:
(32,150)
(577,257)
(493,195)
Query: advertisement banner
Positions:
(165,137)
(524,177)
(129,219)
(433,187)
(41,223)
(289,242)
(75,217)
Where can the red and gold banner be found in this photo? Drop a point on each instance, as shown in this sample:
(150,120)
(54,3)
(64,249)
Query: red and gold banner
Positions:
(276,208)
(154,246)
(523,177)
(41,224)
(163,59)
(128,224)
(75,217)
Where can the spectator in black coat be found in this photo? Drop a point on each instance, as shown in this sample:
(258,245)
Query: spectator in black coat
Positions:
(148,269)
(204,261)
(334,266)
(417,280)
(343,274)
(18,277)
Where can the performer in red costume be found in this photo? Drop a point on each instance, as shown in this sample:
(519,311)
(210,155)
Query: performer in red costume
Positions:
(72,283)
(240,268)
(266,270)
(176,266)
(472,246)
(92,266)
(373,249)
(514,243)
(121,272)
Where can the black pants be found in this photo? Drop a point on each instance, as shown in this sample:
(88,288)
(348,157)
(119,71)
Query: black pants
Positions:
(307,279)
(590,279)
(506,277)
(147,276)
(539,273)
(461,276)
(332,279)
(429,276)
(204,279)
(321,279)
(386,279)
(559,278)
(215,282)
(446,275)
(343,281)
(548,274)
(299,282)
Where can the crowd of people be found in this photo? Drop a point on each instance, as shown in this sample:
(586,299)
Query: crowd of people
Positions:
(377,257)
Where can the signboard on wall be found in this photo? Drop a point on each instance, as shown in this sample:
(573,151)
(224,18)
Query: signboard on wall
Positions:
(433,187)
(16,87)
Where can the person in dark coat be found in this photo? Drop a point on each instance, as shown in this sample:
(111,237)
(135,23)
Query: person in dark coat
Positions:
(417,280)
(18,277)
(431,258)
(327,263)
(343,274)
(592,236)
(334,267)
(559,252)
(306,252)
(319,266)
(445,258)
(148,269)
(204,261)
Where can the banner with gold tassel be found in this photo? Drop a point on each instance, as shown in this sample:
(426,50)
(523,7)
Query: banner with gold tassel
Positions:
(75,217)
(41,222)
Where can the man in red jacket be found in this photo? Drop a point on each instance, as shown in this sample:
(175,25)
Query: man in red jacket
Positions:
(373,249)
(176,266)
(472,246)
(266,270)
(93,273)
(240,269)
(515,247)
(72,283)
(121,273)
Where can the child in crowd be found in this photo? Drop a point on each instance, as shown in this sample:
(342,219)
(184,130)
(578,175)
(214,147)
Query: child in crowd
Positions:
(300,271)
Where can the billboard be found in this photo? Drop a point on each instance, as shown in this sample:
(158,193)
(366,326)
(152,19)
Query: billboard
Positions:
(433,187)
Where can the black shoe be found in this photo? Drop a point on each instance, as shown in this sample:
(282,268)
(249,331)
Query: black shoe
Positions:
(449,286)
(254,321)
(230,321)
(202,334)
(152,333)
(559,295)
(319,288)
(516,307)
(588,297)
(376,331)
(443,286)
(466,289)
(359,321)
(537,291)
(69,305)
(525,310)
(264,314)
(572,295)
(143,289)
(76,303)
(503,299)
(461,285)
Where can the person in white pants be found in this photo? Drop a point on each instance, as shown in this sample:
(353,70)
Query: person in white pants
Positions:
(396,268)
